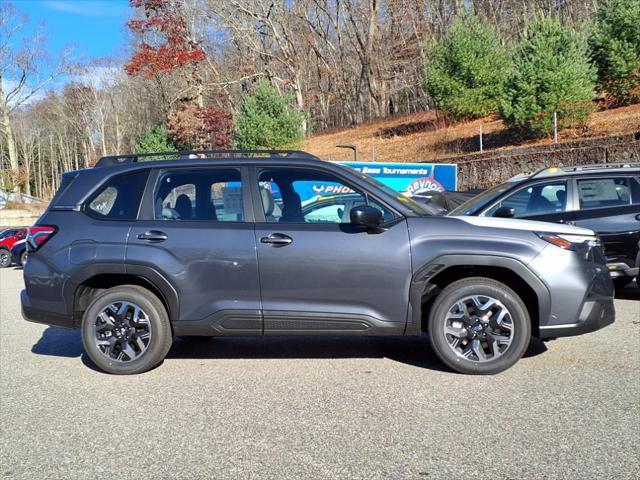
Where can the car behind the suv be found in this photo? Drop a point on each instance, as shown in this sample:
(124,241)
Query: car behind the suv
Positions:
(133,253)
(602,197)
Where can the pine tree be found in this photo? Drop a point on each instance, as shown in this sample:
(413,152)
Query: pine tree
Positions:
(466,70)
(615,49)
(155,139)
(268,119)
(552,73)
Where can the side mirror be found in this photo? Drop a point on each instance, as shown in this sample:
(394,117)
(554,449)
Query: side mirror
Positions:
(365,216)
(505,212)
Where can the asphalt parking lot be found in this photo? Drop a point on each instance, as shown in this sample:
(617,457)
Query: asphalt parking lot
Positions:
(318,408)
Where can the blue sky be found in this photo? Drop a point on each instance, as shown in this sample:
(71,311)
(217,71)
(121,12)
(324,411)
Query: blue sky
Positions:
(94,28)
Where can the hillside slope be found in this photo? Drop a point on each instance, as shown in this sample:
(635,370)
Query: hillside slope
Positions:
(424,136)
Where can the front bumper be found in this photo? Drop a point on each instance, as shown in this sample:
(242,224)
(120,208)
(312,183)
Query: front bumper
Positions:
(595,314)
(40,316)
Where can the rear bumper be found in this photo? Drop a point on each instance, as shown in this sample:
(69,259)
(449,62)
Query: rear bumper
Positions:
(40,316)
(595,314)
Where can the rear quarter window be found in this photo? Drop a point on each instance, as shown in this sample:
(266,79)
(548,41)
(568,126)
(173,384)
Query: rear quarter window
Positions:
(119,198)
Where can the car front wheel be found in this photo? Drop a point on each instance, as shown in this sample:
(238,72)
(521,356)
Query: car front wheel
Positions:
(479,326)
(126,330)
(5,258)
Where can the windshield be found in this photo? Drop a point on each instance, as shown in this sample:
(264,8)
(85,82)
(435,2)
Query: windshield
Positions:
(471,205)
(406,201)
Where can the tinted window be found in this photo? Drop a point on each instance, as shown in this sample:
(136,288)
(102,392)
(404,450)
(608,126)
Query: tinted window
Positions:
(634,184)
(537,199)
(305,196)
(603,192)
(213,195)
(119,199)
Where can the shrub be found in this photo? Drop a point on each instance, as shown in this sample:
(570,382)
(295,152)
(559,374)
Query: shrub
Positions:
(466,69)
(615,49)
(268,119)
(552,73)
(155,139)
(200,128)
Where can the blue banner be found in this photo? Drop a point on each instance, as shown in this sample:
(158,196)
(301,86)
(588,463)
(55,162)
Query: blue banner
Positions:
(411,178)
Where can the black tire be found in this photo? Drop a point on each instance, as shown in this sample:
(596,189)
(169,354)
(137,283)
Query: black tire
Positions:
(23,258)
(479,286)
(5,258)
(159,343)
(621,282)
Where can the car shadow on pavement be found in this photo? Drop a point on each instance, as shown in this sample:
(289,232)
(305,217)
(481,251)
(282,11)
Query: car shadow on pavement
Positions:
(417,352)
(630,292)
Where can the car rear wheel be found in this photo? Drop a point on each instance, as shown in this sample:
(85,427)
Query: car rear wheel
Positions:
(23,258)
(479,326)
(5,258)
(126,330)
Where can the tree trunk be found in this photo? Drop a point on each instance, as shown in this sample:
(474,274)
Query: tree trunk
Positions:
(11,143)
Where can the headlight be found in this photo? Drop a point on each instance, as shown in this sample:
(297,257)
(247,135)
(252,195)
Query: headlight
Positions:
(569,241)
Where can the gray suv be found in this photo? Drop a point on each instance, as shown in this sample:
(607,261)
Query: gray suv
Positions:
(226,243)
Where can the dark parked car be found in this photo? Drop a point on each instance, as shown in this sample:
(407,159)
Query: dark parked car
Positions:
(134,252)
(604,198)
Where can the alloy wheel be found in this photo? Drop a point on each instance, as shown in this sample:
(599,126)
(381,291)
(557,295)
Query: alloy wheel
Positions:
(5,258)
(479,328)
(122,331)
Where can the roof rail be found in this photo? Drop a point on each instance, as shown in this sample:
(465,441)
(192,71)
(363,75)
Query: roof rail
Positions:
(591,166)
(112,160)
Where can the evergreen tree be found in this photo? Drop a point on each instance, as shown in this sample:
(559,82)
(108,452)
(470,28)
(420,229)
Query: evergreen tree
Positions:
(552,73)
(155,139)
(615,49)
(268,119)
(466,69)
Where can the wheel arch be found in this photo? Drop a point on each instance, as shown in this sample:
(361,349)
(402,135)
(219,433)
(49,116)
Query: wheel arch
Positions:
(432,277)
(83,287)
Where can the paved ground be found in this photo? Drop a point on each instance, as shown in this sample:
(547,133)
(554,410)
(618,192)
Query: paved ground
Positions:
(318,408)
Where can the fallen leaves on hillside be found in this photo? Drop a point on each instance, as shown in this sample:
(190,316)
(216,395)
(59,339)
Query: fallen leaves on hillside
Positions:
(426,136)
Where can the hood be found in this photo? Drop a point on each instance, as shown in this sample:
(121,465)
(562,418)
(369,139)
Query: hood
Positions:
(530,225)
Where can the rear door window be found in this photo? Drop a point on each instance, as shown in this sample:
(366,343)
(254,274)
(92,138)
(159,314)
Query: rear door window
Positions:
(213,194)
(119,198)
(604,192)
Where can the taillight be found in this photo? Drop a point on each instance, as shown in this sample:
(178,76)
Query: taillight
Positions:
(39,235)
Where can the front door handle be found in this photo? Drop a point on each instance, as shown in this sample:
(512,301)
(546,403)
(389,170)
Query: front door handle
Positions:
(277,239)
(153,236)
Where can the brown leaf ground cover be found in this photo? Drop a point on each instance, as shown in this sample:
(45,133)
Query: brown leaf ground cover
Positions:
(428,136)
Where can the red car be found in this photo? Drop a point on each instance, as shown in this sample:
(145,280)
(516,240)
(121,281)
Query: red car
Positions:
(7,240)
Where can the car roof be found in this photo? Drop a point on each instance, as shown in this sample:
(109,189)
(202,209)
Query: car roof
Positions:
(209,157)
(576,170)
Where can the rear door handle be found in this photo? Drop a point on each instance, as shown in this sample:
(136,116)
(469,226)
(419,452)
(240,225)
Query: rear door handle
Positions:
(153,236)
(277,239)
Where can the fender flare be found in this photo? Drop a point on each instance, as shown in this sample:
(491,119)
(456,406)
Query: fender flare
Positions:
(148,274)
(434,266)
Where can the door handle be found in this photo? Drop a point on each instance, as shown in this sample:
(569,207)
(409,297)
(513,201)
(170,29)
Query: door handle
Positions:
(638,216)
(153,236)
(277,239)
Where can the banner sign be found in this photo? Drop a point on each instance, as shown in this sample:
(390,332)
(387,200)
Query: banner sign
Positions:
(411,178)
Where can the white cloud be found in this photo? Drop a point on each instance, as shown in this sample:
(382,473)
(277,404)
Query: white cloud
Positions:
(98,76)
(85,8)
